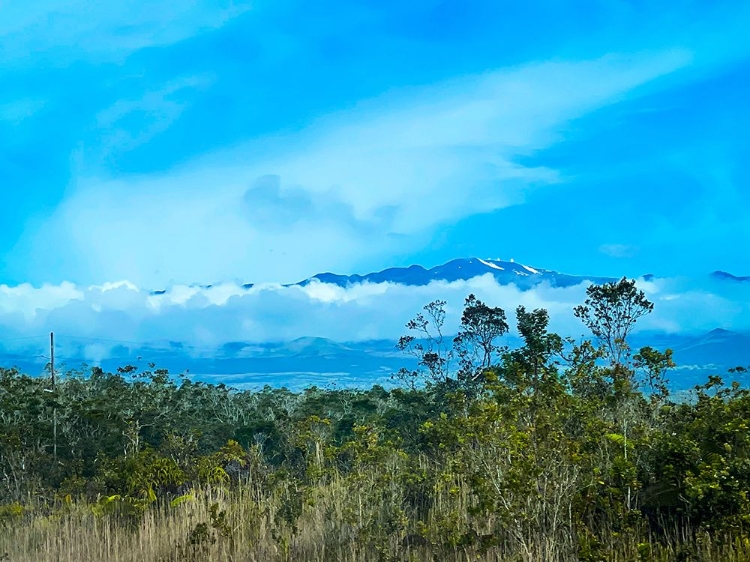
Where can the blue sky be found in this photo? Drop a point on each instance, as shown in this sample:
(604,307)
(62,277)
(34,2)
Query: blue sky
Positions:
(173,142)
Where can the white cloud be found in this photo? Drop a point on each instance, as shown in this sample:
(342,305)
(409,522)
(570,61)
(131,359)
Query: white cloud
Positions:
(27,300)
(362,184)
(209,317)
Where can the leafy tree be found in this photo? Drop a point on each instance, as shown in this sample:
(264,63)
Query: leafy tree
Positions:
(655,364)
(610,312)
(475,347)
(533,360)
(476,343)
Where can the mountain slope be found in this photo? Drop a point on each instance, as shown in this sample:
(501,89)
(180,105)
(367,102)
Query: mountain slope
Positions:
(505,272)
(724,276)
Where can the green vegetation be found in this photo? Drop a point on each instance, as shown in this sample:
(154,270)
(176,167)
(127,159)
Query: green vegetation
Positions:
(543,453)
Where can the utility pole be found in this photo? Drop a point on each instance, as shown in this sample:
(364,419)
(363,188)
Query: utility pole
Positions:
(54,395)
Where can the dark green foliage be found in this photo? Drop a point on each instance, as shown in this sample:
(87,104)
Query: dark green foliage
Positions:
(476,344)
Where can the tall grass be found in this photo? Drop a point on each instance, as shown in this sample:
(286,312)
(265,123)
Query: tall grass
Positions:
(338,519)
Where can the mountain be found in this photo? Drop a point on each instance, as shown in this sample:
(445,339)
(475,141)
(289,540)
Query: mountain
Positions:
(698,356)
(723,347)
(505,272)
(462,269)
(724,276)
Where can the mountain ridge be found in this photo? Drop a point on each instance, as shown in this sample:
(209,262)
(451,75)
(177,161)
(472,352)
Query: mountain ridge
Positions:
(724,276)
(505,272)
(460,269)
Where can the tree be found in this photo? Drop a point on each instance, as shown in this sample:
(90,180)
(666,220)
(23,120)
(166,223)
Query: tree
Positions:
(655,364)
(429,345)
(539,345)
(610,312)
(529,366)
(475,345)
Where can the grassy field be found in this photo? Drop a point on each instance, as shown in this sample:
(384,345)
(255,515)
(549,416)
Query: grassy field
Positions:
(336,522)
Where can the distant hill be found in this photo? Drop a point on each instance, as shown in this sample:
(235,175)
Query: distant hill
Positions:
(724,276)
(320,361)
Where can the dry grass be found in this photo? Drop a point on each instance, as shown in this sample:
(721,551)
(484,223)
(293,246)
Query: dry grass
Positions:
(338,521)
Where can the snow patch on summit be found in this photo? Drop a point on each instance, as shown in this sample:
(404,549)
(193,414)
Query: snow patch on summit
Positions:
(490,264)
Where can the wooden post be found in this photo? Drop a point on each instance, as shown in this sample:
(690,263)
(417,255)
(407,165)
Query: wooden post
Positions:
(54,394)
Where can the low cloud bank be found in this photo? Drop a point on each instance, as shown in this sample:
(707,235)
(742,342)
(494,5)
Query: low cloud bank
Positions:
(96,320)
